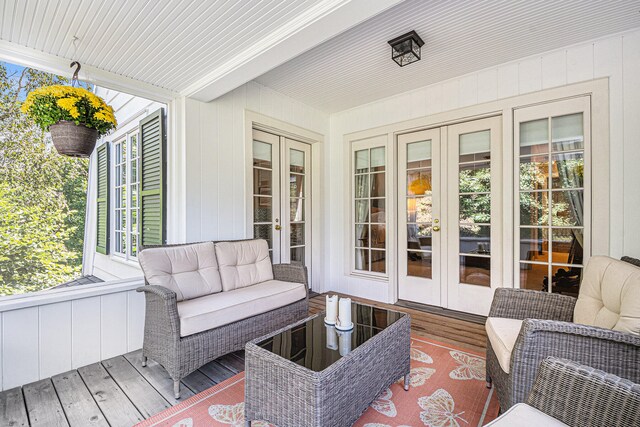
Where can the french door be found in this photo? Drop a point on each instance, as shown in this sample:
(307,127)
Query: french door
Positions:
(282,196)
(449,204)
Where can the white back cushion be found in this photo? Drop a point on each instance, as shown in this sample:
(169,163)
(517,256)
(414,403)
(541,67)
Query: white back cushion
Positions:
(190,271)
(609,295)
(243,263)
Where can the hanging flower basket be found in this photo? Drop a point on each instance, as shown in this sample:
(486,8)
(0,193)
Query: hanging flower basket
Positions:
(74,116)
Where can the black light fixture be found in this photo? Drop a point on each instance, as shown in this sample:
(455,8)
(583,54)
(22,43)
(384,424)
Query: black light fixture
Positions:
(406,48)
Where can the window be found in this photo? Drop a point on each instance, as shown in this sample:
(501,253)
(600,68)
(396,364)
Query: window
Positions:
(126,190)
(369,207)
(554,209)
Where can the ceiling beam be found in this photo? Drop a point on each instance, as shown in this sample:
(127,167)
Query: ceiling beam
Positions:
(27,57)
(320,23)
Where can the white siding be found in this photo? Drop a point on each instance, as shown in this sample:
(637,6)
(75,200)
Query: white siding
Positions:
(616,57)
(215,156)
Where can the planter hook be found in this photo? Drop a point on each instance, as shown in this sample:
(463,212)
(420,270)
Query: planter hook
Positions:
(74,79)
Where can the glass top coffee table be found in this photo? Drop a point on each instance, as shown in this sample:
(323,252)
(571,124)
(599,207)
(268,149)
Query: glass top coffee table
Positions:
(310,374)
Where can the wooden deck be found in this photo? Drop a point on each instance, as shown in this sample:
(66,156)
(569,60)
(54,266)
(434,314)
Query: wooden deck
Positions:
(120,392)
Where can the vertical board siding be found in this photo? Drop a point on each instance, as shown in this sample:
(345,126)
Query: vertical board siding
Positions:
(616,57)
(20,349)
(85,322)
(43,341)
(55,338)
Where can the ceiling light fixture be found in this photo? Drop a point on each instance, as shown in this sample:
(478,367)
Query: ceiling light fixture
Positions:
(406,48)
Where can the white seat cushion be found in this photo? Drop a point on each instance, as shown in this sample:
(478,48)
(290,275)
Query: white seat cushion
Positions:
(523,415)
(220,309)
(502,334)
(609,295)
(190,271)
(243,263)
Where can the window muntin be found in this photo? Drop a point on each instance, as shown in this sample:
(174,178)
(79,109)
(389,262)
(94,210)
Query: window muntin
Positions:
(552,203)
(370,210)
(126,196)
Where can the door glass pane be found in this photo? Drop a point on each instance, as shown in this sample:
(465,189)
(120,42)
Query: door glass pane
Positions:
(534,244)
(567,245)
(419,236)
(475,146)
(534,172)
(362,235)
(378,236)
(362,211)
(419,264)
(362,186)
(475,208)
(377,159)
(296,185)
(261,154)
(567,133)
(567,208)
(377,184)
(263,231)
(475,177)
(378,261)
(378,211)
(475,270)
(297,210)
(262,209)
(297,234)
(419,209)
(297,255)
(534,208)
(419,182)
(362,259)
(419,154)
(568,170)
(362,161)
(533,276)
(534,137)
(475,239)
(262,182)
(296,158)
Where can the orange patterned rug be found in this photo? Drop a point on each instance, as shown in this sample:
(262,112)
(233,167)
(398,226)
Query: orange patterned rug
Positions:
(447,390)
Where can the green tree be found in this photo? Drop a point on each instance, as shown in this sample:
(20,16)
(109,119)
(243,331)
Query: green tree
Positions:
(42,195)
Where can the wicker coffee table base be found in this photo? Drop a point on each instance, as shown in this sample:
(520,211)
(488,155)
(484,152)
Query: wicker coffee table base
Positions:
(289,395)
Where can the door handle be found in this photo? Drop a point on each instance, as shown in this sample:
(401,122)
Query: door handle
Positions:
(436,228)
(278,227)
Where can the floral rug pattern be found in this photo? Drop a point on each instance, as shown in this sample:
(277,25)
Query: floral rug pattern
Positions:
(447,389)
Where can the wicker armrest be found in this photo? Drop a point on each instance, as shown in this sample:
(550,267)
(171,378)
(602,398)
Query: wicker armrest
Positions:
(579,395)
(613,351)
(161,313)
(523,304)
(290,273)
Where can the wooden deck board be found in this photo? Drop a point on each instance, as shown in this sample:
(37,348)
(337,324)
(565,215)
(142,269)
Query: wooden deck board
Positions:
(120,392)
(77,402)
(114,403)
(43,406)
(12,409)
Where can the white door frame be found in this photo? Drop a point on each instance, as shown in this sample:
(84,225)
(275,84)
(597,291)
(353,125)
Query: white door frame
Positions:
(316,141)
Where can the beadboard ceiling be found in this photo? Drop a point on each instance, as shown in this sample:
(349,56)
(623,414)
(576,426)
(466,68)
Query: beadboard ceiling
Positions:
(461,36)
(179,45)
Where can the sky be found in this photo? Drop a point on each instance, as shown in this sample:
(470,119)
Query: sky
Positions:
(17,69)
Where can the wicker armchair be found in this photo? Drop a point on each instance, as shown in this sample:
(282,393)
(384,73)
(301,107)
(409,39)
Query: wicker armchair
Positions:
(181,355)
(578,396)
(542,325)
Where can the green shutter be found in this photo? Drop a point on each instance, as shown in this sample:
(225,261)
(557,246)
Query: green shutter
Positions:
(102,200)
(152,223)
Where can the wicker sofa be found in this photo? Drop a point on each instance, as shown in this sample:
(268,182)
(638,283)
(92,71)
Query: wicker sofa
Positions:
(569,394)
(601,328)
(204,300)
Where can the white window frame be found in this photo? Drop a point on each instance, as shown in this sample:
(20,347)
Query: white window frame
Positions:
(368,144)
(126,134)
